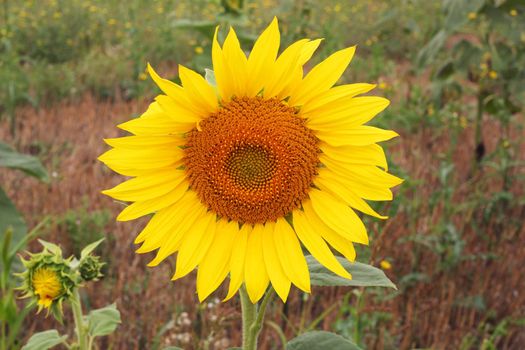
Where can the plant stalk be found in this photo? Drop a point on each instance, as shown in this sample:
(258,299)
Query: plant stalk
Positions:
(252,318)
(76,306)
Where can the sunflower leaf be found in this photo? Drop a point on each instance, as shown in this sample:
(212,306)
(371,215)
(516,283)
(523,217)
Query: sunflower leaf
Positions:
(103,321)
(89,249)
(317,340)
(44,340)
(363,275)
(28,164)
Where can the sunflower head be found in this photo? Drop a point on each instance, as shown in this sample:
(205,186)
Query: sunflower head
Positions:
(48,280)
(242,170)
(90,268)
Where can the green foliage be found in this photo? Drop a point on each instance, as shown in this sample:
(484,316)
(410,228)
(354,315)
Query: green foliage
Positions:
(103,321)
(82,226)
(317,340)
(45,340)
(363,275)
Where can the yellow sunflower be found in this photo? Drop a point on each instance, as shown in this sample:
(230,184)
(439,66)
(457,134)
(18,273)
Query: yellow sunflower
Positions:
(240,173)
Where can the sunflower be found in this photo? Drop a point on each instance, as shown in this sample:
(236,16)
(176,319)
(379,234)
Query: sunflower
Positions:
(239,173)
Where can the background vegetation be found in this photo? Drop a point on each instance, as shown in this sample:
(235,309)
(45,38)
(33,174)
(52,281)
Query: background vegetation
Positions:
(455,72)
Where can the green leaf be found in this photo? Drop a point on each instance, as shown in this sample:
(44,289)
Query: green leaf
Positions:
(458,10)
(172,348)
(44,340)
(53,248)
(103,321)
(11,217)
(363,275)
(89,248)
(321,340)
(429,52)
(210,77)
(28,164)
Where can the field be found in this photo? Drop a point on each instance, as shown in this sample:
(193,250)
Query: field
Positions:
(70,71)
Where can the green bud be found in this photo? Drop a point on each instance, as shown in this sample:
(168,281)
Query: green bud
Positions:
(90,268)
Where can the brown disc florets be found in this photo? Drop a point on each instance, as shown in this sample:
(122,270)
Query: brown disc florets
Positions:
(253,161)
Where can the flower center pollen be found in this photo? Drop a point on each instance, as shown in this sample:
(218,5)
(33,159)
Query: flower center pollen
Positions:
(252,161)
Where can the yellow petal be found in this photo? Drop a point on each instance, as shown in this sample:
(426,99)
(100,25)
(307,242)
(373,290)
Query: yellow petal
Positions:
(221,70)
(262,58)
(186,113)
(167,86)
(278,78)
(365,190)
(255,275)
(338,95)
(216,262)
(359,136)
(338,216)
(160,125)
(141,142)
(237,260)
(236,61)
(364,173)
(326,181)
(195,245)
(346,114)
(171,216)
(322,77)
(199,92)
(291,255)
(341,244)
(370,154)
(147,186)
(149,206)
(153,158)
(296,75)
(316,245)
(280,282)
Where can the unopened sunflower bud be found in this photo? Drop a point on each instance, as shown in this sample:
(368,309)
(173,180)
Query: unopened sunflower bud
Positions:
(90,268)
(48,280)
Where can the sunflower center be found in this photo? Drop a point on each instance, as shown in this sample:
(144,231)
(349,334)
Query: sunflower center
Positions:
(46,285)
(252,161)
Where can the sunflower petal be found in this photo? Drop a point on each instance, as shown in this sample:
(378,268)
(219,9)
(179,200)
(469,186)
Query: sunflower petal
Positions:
(148,186)
(200,93)
(322,77)
(291,255)
(255,273)
(345,115)
(316,245)
(141,208)
(359,136)
(262,58)
(195,245)
(215,264)
(339,217)
(280,281)
(337,95)
(369,154)
(237,261)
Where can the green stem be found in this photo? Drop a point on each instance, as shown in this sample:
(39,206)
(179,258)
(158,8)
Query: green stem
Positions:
(76,306)
(252,318)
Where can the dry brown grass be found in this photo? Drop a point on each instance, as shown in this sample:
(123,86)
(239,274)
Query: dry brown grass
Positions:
(424,315)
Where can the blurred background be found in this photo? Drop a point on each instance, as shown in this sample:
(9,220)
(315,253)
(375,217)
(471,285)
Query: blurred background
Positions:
(70,70)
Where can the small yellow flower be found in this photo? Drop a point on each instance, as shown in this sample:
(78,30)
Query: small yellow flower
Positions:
(493,74)
(160,10)
(337,7)
(46,285)
(385,265)
(127,25)
(382,85)
(112,21)
(199,50)
(463,122)
(472,16)
(513,12)
(143,76)
(430,110)
(368,42)
(57,15)
(506,144)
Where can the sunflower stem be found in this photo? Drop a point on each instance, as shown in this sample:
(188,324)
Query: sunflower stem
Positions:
(252,318)
(76,306)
